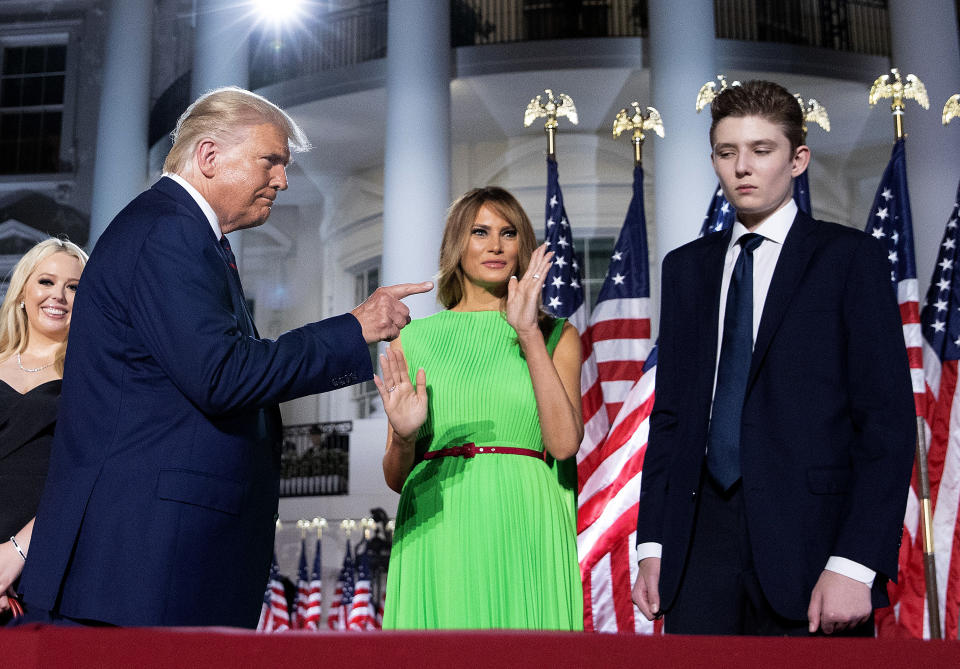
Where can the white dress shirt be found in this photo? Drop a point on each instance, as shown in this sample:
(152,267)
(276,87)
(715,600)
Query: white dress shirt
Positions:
(774,231)
(201,202)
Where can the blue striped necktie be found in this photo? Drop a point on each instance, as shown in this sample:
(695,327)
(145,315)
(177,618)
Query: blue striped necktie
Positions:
(736,350)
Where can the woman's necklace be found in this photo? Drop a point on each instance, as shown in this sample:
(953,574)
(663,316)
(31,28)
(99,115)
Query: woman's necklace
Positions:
(29,370)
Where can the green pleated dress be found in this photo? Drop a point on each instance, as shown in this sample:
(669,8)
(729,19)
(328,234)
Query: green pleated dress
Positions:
(488,541)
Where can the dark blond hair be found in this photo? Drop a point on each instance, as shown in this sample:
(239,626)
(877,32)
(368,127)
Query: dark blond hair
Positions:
(460,219)
(765,99)
(223,115)
(14,333)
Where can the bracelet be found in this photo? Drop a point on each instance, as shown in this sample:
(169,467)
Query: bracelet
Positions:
(13,540)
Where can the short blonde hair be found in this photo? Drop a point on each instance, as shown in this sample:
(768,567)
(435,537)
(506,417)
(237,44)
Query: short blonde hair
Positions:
(223,114)
(13,320)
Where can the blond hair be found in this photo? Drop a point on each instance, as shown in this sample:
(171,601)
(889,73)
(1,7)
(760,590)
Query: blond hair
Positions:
(223,114)
(14,333)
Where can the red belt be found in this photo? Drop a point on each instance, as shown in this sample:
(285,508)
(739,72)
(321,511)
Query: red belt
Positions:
(469,450)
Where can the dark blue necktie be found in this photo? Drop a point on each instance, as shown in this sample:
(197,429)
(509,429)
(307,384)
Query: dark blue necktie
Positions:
(736,350)
(231,259)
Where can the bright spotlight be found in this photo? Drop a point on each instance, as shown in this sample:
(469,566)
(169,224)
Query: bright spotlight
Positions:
(279,11)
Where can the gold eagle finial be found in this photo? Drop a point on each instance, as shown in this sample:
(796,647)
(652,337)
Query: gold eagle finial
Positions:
(709,91)
(951,109)
(913,89)
(637,122)
(553,108)
(813,112)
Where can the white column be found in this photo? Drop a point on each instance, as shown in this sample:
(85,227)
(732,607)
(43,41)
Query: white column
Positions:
(221,57)
(925,43)
(681,60)
(120,171)
(416,188)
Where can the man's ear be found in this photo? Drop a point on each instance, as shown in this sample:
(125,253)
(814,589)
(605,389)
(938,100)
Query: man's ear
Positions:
(207,155)
(801,158)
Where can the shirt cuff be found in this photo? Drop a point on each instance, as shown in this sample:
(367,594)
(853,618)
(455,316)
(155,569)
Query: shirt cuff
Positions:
(648,549)
(850,569)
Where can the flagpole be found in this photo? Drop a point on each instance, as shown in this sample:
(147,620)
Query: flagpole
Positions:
(895,88)
(638,122)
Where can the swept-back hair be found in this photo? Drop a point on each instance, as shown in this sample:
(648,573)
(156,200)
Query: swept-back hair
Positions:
(224,114)
(760,98)
(14,333)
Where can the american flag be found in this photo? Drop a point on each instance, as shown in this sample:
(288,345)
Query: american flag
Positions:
(721,214)
(607,517)
(801,192)
(890,222)
(274,615)
(303,587)
(312,615)
(609,461)
(563,289)
(362,614)
(941,331)
(343,596)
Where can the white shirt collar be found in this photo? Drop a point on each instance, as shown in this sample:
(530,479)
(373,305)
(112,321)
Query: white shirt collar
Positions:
(201,202)
(774,229)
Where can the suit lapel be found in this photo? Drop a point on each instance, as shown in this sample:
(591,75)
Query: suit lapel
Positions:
(710,272)
(798,249)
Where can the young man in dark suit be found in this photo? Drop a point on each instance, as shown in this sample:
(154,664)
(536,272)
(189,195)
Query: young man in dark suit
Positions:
(782,437)
(164,474)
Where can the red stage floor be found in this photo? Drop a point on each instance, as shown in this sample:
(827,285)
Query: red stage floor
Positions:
(66,647)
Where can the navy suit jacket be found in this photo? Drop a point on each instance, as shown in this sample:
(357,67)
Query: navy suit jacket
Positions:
(828,421)
(159,505)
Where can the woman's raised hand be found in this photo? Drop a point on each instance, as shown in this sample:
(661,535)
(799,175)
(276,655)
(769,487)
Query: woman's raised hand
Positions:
(404,402)
(524,294)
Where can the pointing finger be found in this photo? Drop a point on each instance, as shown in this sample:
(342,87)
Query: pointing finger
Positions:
(402,290)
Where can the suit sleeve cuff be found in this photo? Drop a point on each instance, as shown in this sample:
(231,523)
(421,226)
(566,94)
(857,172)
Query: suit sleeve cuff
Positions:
(649,549)
(851,569)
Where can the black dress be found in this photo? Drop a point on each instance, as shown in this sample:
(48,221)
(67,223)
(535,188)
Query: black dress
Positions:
(26,431)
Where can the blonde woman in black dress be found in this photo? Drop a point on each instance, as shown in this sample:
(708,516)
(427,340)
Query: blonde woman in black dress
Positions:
(34,323)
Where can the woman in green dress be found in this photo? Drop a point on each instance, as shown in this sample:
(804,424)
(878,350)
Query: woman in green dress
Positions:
(485,534)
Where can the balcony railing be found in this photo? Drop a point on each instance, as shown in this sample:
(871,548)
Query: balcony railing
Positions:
(337,39)
(315,459)
(357,33)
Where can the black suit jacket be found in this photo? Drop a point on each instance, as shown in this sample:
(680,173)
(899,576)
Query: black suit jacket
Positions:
(828,420)
(159,505)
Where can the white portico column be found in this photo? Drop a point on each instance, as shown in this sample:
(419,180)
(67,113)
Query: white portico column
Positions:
(221,57)
(925,43)
(120,171)
(681,60)
(416,188)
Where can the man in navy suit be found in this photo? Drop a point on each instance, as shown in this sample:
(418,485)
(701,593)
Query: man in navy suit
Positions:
(782,436)
(163,487)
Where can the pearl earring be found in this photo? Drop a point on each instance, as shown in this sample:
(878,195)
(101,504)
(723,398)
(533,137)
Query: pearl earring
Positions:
(21,305)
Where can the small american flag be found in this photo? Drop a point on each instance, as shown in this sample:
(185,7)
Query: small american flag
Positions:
(312,615)
(563,289)
(362,614)
(890,222)
(608,464)
(274,614)
(303,587)
(343,597)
